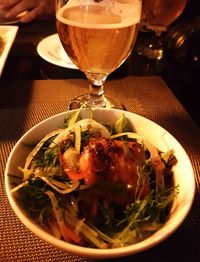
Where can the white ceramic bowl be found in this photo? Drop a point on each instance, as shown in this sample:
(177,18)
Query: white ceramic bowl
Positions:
(183,176)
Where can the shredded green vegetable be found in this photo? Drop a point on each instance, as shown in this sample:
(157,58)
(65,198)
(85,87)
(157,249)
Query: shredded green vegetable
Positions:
(97,185)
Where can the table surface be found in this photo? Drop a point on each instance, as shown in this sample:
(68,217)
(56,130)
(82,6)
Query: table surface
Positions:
(26,99)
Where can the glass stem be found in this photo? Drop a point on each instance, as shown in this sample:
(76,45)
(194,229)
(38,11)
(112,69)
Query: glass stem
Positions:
(96,92)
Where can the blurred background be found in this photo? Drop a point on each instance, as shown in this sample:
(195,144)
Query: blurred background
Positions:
(180,65)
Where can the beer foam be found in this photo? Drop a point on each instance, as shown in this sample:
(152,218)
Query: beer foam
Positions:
(106,14)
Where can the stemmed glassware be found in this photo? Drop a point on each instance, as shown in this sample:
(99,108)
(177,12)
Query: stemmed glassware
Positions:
(157,15)
(98,36)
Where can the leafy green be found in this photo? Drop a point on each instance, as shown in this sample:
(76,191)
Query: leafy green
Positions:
(46,156)
(72,119)
(122,125)
(48,193)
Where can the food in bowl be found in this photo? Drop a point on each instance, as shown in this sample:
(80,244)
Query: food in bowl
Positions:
(96,185)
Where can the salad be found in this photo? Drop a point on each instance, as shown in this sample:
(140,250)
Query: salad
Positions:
(96,185)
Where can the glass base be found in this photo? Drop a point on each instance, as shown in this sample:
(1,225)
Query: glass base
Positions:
(86,101)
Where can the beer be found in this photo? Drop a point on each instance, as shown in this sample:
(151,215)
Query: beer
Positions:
(96,39)
(162,12)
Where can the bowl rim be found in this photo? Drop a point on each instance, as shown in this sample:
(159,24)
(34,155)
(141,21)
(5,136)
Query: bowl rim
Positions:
(160,235)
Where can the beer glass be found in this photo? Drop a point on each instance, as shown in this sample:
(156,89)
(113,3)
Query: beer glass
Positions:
(157,15)
(98,36)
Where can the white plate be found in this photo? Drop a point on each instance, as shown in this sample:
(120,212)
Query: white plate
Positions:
(161,138)
(8,34)
(51,50)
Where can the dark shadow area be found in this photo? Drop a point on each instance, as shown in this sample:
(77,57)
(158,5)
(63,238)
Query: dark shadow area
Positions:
(180,66)
(12,120)
(20,99)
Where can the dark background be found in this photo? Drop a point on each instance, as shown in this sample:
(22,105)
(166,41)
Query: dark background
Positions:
(183,74)
(180,67)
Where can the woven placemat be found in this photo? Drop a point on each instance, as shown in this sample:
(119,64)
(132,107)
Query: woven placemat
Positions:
(146,96)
